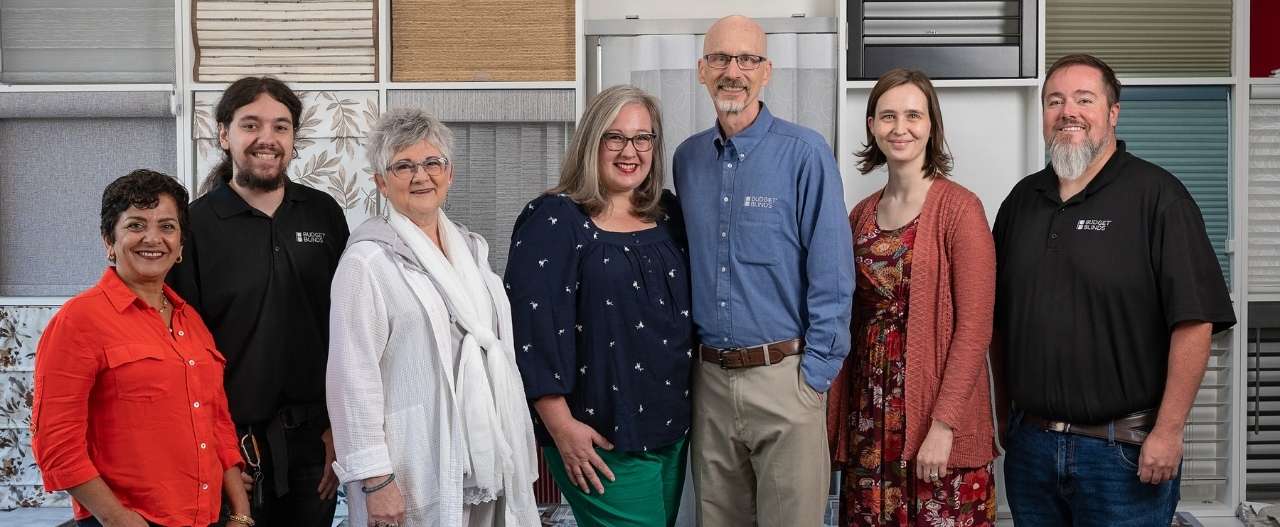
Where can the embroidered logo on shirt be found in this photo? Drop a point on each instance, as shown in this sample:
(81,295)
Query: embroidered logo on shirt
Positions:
(1092,225)
(310,237)
(763,202)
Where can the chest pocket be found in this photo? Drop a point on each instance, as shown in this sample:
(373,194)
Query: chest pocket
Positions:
(142,372)
(759,230)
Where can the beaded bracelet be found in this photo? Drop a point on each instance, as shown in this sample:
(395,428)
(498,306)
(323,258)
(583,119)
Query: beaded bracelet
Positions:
(241,519)
(370,490)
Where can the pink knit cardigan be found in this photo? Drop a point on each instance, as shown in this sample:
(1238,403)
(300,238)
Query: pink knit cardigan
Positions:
(953,267)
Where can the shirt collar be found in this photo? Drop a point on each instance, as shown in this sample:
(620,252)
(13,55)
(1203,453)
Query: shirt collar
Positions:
(747,139)
(121,297)
(227,203)
(1110,171)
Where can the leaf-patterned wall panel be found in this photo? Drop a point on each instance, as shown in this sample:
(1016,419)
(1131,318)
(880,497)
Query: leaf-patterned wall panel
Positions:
(20,485)
(330,143)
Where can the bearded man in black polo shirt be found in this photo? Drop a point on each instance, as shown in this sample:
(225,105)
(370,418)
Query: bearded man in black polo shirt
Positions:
(257,265)
(1107,294)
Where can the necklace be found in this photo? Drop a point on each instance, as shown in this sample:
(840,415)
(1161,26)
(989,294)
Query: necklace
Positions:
(164,304)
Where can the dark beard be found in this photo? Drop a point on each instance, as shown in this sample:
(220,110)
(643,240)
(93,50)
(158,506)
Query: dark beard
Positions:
(246,180)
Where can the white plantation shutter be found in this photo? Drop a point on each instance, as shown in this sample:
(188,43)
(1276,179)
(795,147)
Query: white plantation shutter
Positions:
(1264,195)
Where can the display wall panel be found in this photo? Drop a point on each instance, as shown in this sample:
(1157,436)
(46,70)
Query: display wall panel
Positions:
(482,40)
(74,42)
(1144,38)
(1187,131)
(293,40)
(20,482)
(1264,196)
(54,168)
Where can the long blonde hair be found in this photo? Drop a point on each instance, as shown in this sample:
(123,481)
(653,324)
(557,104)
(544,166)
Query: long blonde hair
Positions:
(580,170)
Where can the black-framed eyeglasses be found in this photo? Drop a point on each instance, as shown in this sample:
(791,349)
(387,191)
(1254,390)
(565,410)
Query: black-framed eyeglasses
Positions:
(746,61)
(643,142)
(433,166)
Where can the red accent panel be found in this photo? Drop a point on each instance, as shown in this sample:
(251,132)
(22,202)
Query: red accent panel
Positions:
(545,490)
(1264,37)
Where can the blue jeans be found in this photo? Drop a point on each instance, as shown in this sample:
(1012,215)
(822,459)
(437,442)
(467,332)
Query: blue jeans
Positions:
(1056,479)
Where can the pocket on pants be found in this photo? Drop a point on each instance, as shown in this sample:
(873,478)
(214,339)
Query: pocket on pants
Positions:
(1128,455)
(808,395)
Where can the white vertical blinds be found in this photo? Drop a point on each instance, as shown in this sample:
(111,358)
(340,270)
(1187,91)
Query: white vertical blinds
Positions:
(1143,38)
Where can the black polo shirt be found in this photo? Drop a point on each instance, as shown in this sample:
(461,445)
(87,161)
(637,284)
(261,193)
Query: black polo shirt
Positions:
(261,283)
(1089,290)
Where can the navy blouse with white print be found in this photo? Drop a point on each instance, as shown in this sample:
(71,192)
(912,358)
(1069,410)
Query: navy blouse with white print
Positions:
(603,318)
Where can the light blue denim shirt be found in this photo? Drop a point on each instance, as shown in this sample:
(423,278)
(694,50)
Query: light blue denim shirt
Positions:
(770,249)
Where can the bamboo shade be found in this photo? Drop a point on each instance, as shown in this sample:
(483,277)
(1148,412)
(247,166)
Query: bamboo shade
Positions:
(297,41)
(482,40)
(1143,38)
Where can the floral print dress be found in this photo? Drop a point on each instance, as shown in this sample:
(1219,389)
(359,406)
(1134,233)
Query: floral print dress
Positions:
(879,487)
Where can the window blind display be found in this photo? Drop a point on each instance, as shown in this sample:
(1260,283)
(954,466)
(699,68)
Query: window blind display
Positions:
(482,40)
(294,41)
(76,42)
(1143,38)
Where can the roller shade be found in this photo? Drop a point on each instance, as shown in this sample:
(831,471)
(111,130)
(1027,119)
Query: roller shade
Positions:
(1186,130)
(77,42)
(1143,38)
(1264,195)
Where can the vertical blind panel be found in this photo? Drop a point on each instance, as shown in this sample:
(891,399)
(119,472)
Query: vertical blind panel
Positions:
(293,40)
(1264,196)
(1187,132)
(71,42)
(50,243)
(1143,38)
(482,40)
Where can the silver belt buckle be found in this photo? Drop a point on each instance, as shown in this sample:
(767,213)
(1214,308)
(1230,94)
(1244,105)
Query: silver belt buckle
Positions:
(1058,426)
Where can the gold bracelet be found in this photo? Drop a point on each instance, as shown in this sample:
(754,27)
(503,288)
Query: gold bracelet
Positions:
(241,519)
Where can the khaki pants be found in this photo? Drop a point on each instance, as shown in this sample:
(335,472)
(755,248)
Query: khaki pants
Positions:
(759,446)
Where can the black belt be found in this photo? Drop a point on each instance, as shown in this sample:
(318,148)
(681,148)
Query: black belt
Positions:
(287,418)
(1132,428)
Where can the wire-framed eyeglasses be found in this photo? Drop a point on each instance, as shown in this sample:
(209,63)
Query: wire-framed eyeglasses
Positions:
(434,167)
(746,61)
(643,142)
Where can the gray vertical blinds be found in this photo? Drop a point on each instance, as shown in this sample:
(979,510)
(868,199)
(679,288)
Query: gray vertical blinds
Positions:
(1143,38)
(1186,130)
(507,150)
(77,42)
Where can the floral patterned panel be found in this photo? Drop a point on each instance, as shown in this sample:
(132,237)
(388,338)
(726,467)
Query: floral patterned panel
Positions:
(330,143)
(20,486)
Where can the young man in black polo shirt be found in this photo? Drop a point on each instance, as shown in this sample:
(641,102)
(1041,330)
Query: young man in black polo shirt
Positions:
(257,265)
(1107,294)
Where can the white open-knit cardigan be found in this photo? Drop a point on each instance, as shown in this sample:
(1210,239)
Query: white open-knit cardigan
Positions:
(388,392)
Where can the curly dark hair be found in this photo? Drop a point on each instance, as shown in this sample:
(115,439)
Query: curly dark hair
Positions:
(141,188)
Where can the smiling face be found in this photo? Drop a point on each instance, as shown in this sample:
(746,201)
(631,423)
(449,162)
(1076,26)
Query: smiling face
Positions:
(733,89)
(1076,110)
(260,139)
(419,197)
(623,171)
(147,241)
(901,125)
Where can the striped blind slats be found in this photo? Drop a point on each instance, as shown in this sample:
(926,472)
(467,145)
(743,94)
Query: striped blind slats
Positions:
(1143,37)
(295,41)
(1264,196)
(1186,131)
(66,42)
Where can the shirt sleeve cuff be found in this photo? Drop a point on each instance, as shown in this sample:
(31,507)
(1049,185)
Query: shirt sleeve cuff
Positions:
(819,372)
(68,478)
(363,464)
(231,458)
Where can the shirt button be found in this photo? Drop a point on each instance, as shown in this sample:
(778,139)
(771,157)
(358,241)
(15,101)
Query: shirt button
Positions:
(203,446)
(191,362)
(740,156)
(196,404)
(277,248)
(722,304)
(723,234)
(1053,236)
(728,165)
(181,333)
(204,486)
(723,268)
(725,199)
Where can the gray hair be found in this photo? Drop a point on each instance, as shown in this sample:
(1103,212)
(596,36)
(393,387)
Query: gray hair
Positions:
(402,128)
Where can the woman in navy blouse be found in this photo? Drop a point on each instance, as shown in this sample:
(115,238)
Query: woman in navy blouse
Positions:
(599,286)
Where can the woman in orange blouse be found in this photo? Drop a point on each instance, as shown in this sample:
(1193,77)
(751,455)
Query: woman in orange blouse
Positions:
(129,414)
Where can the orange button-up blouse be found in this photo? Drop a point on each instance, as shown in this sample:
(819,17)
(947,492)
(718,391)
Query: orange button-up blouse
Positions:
(118,395)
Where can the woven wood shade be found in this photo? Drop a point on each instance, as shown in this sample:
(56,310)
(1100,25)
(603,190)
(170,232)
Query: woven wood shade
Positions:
(484,40)
(293,40)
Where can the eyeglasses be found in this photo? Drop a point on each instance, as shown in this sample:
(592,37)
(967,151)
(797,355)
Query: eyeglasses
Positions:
(616,142)
(434,166)
(746,62)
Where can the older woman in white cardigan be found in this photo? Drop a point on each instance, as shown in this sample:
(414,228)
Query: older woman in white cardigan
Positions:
(429,417)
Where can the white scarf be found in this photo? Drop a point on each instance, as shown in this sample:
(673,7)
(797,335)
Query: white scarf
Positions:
(489,393)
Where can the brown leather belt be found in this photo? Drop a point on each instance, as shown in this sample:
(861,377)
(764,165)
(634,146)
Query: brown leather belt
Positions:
(1132,428)
(762,355)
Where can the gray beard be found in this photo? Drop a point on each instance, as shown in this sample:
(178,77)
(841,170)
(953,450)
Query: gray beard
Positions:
(1070,161)
(729,106)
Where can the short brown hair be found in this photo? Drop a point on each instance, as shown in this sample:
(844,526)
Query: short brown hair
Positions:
(937,159)
(580,172)
(1109,79)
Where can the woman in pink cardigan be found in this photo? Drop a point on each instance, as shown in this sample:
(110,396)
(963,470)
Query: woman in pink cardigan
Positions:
(910,414)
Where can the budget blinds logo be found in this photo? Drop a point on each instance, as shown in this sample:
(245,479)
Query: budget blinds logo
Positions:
(1092,225)
(763,202)
(310,237)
